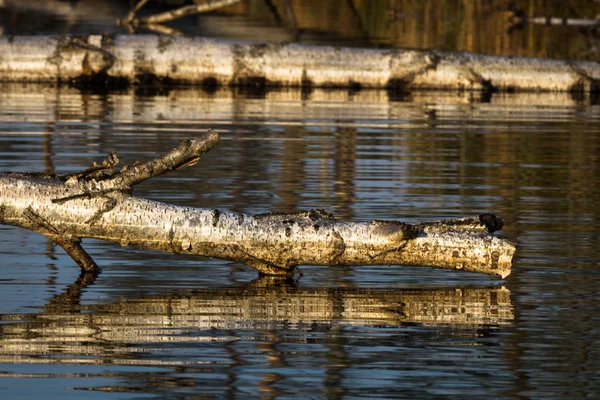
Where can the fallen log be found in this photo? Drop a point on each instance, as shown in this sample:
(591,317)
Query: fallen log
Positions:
(98,203)
(196,60)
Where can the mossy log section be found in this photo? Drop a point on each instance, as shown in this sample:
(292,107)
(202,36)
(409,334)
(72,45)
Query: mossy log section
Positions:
(195,60)
(98,203)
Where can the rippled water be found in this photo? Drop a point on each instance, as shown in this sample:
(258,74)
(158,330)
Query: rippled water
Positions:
(156,324)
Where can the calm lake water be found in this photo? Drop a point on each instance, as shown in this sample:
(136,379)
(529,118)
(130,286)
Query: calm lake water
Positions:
(155,325)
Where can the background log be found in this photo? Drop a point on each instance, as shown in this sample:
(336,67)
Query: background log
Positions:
(196,60)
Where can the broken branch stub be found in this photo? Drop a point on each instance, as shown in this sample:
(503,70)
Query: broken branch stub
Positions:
(101,206)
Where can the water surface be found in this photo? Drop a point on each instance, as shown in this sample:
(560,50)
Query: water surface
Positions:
(159,325)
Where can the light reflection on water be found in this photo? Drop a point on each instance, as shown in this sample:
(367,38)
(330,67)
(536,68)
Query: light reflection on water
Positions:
(159,324)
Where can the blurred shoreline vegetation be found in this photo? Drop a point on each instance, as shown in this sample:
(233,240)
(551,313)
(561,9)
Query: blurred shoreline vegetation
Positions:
(479,26)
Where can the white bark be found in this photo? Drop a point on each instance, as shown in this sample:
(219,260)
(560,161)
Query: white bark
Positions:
(97,203)
(133,58)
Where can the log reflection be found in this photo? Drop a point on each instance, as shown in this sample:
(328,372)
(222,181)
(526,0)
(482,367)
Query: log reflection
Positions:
(118,331)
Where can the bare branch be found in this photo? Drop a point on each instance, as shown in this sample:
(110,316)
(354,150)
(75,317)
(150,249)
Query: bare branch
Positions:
(134,10)
(186,154)
(154,22)
(206,6)
(70,244)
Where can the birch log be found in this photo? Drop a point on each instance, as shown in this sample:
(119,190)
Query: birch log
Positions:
(150,58)
(98,203)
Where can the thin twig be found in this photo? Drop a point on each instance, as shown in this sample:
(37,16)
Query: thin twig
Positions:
(138,6)
(131,16)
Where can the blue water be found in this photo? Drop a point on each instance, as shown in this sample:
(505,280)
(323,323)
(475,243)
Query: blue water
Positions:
(157,325)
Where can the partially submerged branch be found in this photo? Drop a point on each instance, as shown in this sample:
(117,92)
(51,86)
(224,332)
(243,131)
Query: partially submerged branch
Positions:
(97,203)
(71,245)
(208,62)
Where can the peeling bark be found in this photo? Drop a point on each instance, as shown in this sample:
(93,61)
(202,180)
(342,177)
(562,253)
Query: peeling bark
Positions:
(98,203)
(135,58)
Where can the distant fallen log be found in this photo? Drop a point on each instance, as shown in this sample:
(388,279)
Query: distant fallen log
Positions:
(125,59)
(98,203)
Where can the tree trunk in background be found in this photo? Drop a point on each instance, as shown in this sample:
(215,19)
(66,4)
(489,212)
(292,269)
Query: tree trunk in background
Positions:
(129,59)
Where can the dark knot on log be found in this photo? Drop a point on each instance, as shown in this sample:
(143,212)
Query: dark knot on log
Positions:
(491,222)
